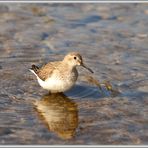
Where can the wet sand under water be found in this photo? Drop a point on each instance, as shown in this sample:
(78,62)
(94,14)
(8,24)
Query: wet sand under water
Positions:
(113,41)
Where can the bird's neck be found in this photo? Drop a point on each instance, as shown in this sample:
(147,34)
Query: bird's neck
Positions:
(69,67)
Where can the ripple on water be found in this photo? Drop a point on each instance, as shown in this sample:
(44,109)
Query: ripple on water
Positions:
(84,91)
(88,115)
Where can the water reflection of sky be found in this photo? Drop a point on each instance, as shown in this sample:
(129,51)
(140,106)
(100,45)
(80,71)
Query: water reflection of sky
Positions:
(113,40)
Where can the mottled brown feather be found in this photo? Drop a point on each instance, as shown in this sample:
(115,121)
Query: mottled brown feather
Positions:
(46,71)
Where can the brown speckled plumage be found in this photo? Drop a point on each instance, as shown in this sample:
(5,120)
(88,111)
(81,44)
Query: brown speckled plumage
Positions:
(59,76)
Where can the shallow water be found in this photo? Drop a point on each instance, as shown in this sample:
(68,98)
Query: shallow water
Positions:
(113,39)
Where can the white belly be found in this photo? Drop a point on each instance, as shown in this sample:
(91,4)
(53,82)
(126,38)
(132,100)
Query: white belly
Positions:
(56,85)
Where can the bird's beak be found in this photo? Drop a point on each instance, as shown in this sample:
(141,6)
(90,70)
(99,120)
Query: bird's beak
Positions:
(86,67)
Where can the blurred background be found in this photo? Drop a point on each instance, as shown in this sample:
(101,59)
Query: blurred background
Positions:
(112,38)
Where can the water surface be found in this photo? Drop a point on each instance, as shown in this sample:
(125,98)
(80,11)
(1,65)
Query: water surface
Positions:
(113,41)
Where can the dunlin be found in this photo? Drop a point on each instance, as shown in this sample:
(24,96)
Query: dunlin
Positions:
(59,76)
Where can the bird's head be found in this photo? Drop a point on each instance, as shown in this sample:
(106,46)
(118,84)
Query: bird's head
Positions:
(75,59)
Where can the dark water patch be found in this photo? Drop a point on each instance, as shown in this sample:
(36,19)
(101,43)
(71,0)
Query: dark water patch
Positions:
(47,35)
(83,91)
(44,36)
(5,131)
(131,83)
(4,8)
(135,95)
(85,21)
(112,18)
(89,19)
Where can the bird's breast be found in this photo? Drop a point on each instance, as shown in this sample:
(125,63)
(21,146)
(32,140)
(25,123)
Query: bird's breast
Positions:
(59,82)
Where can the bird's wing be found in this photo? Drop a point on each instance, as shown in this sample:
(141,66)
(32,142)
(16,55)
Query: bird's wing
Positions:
(46,71)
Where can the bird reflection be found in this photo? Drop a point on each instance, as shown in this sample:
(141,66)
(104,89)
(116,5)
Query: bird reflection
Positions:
(60,114)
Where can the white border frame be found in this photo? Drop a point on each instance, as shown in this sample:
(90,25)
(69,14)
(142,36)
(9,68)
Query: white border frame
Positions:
(74,1)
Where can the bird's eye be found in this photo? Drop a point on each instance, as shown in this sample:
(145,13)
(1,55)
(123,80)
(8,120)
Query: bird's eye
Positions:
(75,58)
